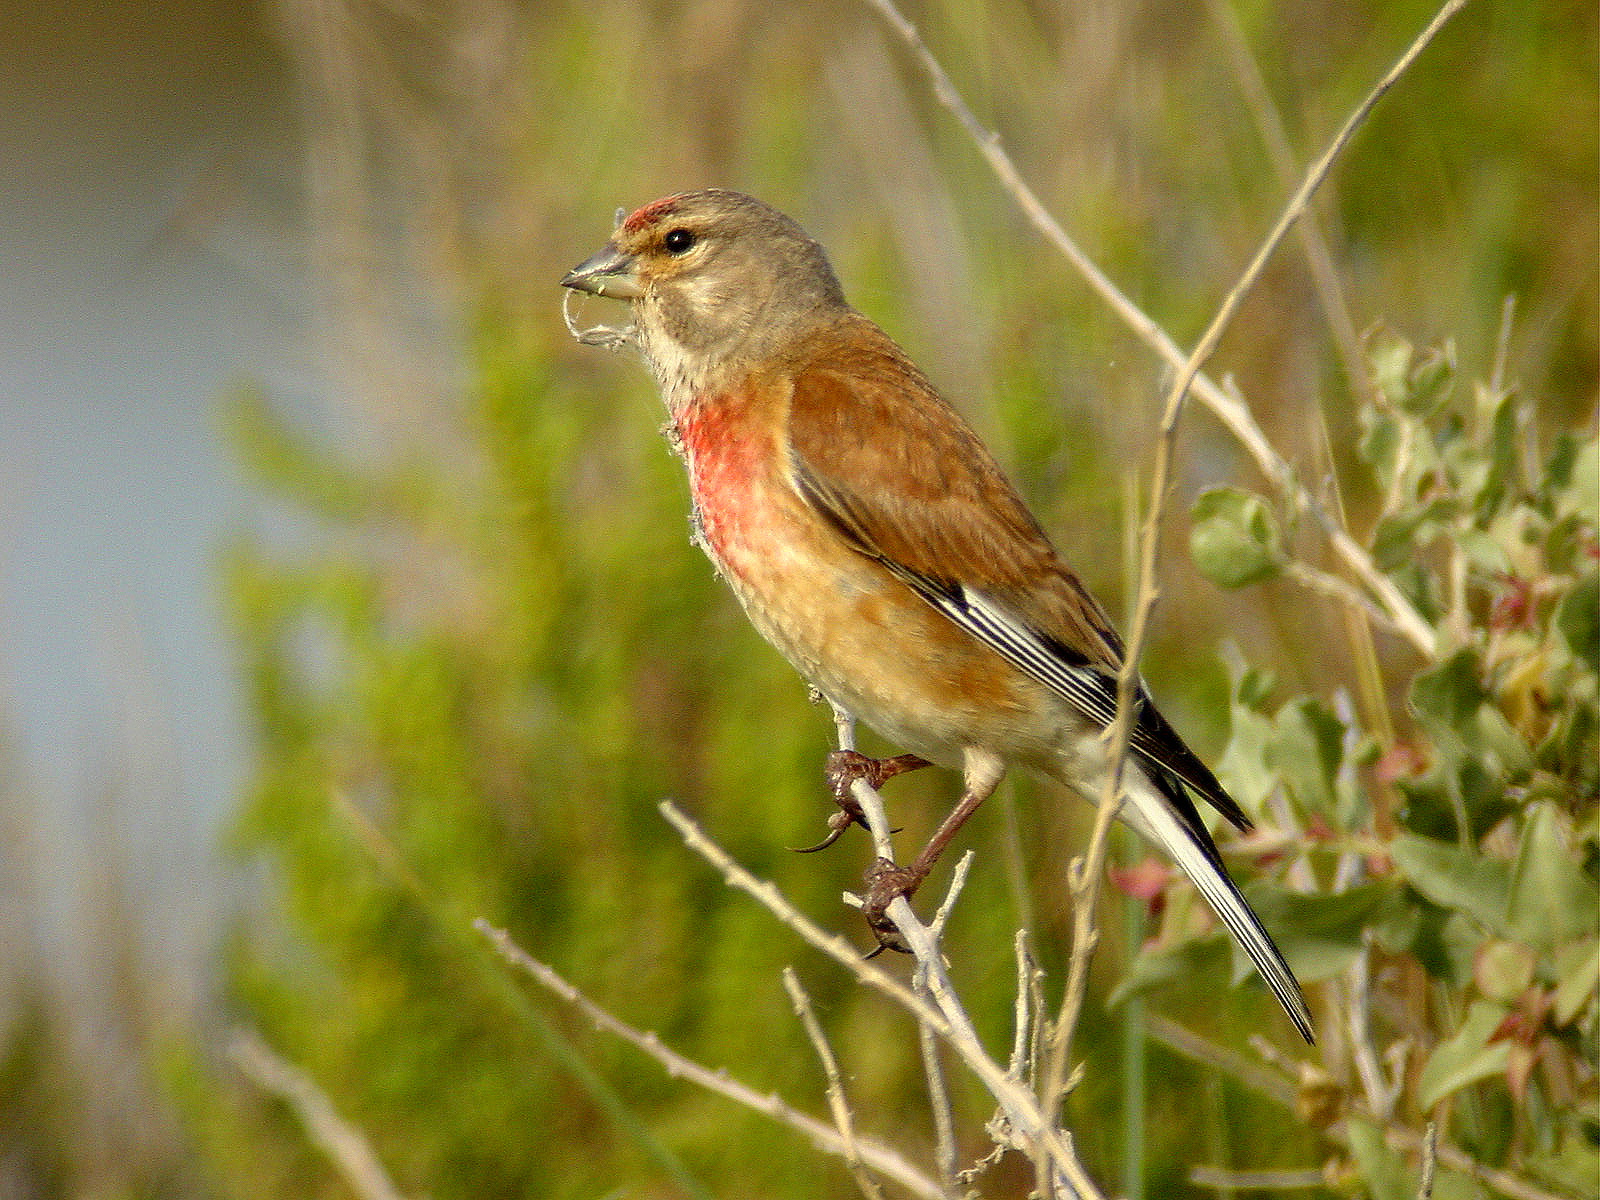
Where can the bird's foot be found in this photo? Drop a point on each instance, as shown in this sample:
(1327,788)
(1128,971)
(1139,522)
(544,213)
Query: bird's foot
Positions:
(886,883)
(843,768)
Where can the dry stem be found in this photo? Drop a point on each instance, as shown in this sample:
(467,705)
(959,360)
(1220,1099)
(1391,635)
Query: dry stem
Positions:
(1233,414)
(1048,1147)
(838,1105)
(349,1149)
(885,1161)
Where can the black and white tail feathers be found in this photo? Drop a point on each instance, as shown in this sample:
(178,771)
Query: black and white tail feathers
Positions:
(1161,772)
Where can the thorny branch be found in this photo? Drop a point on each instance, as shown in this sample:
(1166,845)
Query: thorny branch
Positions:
(838,1105)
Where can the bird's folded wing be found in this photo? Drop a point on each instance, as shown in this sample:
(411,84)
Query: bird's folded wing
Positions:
(904,480)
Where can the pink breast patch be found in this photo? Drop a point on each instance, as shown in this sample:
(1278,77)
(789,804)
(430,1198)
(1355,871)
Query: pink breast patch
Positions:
(728,457)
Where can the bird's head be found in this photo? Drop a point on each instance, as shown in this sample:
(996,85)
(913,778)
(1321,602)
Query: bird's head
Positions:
(714,276)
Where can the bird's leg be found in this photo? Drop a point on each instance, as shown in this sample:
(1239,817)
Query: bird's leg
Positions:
(843,768)
(885,881)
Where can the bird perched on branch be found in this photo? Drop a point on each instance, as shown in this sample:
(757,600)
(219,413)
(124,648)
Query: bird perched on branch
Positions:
(871,538)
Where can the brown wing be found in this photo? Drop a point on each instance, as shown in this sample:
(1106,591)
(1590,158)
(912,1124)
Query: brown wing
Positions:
(906,481)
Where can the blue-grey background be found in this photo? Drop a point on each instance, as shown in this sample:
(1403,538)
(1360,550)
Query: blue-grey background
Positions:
(149,185)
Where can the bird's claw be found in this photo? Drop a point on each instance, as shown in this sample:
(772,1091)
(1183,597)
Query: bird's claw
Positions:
(842,769)
(837,824)
(885,884)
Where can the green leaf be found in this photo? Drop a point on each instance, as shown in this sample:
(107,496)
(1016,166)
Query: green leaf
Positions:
(1450,694)
(1455,878)
(1446,944)
(1585,494)
(1499,746)
(1577,979)
(1552,900)
(1573,1165)
(1235,539)
(1503,970)
(1572,477)
(1416,386)
(1398,927)
(1390,361)
(1567,541)
(1244,769)
(1578,619)
(1382,1169)
(1420,586)
(1432,379)
(1320,935)
(1504,440)
(1391,540)
(1380,445)
(1306,752)
(1465,1059)
(1484,552)
(1398,535)
(1255,687)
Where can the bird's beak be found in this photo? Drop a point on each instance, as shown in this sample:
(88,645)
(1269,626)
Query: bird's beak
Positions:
(609,272)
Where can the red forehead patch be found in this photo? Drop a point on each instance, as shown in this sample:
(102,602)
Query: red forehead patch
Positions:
(650,213)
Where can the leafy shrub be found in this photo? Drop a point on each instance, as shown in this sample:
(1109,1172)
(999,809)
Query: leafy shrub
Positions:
(1445,875)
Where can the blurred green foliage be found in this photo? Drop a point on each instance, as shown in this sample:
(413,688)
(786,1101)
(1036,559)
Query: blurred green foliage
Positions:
(482,652)
(1464,856)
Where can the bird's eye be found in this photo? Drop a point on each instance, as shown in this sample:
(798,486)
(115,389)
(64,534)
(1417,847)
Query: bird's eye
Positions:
(679,241)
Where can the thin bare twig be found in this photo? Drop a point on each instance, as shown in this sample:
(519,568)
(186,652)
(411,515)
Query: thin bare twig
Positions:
(1330,293)
(1083,881)
(1314,177)
(885,1161)
(770,898)
(838,1105)
(1224,1180)
(1231,412)
(1430,1155)
(958,880)
(1037,1135)
(1052,1156)
(1511,1186)
(944,1126)
(865,794)
(1358,1010)
(1314,245)
(1314,579)
(1022,1047)
(346,1145)
(1047,1146)
(1086,881)
(944,1121)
